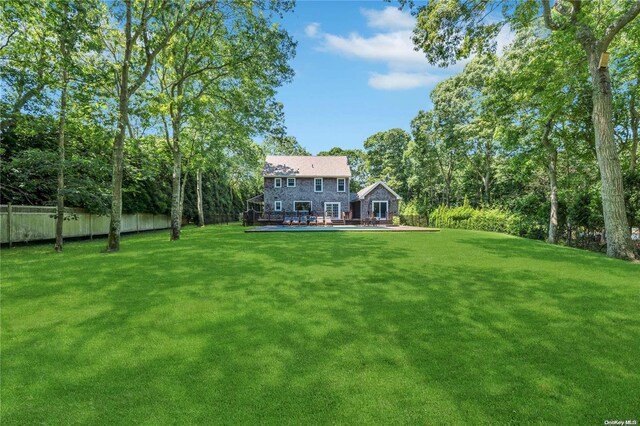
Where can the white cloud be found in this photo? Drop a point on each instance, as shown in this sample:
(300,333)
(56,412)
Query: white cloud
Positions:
(312,30)
(401,80)
(395,48)
(391,44)
(390,18)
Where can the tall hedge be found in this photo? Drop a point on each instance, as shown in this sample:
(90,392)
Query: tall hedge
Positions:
(485,219)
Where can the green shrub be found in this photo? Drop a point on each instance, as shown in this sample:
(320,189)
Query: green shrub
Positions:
(488,219)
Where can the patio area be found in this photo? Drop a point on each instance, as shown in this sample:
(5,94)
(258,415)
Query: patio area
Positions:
(341,228)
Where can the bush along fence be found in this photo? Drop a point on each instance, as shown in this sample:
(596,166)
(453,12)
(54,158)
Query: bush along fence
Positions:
(488,219)
(33,223)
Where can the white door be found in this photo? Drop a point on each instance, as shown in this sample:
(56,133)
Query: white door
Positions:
(332,210)
(380,209)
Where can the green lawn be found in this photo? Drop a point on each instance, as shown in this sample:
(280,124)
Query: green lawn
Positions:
(307,328)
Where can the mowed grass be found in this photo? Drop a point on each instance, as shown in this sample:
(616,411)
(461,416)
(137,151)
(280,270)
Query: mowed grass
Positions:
(456,327)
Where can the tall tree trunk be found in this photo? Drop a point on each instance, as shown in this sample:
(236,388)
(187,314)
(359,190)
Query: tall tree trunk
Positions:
(113,240)
(61,155)
(486,179)
(552,237)
(182,190)
(486,182)
(200,202)
(619,242)
(447,192)
(635,123)
(176,218)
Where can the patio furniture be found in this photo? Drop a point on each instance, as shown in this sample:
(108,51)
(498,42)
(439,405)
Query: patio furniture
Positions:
(303,220)
(295,221)
(287,220)
(327,221)
(313,221)
(366,221)
(374,221)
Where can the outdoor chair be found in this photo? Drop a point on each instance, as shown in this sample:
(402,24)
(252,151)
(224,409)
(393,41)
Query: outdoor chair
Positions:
(366,221)
(287,220)
(303,220)
(327,221)
(295,221)
(374,221)
(313,220)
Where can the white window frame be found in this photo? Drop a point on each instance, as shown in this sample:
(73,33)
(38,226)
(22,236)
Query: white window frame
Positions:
(339,208)
(303,201)
(315,185)
(277,206)
(344,181)
(373,209)
(277,182)
(294,182)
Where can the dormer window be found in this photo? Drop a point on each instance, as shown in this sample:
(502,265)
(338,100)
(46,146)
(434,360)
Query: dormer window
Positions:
(318,185)
(277,183)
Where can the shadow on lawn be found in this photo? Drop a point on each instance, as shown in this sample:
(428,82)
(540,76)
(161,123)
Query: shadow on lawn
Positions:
(318,329)
(538,250)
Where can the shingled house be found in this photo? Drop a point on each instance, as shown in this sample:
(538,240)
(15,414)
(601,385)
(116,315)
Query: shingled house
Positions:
(320,185)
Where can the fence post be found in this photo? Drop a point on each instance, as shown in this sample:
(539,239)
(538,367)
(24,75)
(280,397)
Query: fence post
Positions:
(9,223)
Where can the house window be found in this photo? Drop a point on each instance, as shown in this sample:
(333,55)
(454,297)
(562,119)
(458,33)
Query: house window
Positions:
(318,185)
(277,183)
(291,182)
(302,206)
(342,185)
(278,206)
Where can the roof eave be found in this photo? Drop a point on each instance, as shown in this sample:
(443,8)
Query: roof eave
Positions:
(375,185)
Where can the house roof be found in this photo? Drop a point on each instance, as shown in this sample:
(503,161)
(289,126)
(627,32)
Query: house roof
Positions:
(306,166)
(364,191)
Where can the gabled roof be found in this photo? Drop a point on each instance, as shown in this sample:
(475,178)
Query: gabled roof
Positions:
(306,166)
(364,191)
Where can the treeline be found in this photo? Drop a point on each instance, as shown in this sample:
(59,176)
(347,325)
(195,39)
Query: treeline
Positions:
(147,105)
(30,165)
(559,102)
(541,139)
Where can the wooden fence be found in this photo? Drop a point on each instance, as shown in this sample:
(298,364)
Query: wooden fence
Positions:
(31,223)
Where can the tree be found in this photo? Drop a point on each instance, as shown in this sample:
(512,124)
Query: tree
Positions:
(626,75)
(281,144)
(535,104)
(148,28)
(76,33)
(46,46)
(448,31)
(27,45)
(212,61)
(434,147)
(385,158)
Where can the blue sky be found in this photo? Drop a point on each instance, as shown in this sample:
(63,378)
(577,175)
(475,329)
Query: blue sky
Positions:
(356,73)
